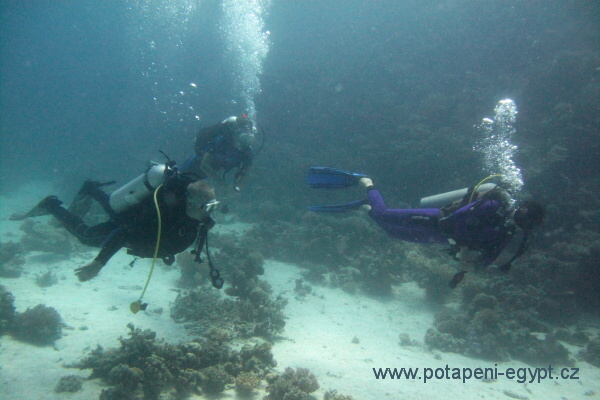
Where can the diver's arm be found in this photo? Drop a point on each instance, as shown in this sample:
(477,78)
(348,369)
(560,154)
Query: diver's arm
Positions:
(238,180)
(243,170)
(490,255)
(240,176)
(113,243)
(206,166)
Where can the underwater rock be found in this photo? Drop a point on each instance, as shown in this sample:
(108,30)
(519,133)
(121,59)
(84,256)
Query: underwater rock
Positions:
(40,325)
(69,384)
(292,385)
(7,310)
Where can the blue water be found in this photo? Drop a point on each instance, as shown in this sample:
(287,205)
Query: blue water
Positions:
(359,84)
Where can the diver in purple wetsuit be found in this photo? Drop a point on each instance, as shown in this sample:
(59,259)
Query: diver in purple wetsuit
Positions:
(485,225)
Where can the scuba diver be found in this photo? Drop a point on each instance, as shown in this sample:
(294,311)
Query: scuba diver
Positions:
(161,200)
(479,219)
(222,147)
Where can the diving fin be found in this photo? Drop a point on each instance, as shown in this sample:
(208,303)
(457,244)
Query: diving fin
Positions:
(339,208)
(331,178)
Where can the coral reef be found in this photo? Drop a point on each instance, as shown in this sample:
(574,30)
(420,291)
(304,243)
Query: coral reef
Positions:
(591,353)
(246,382)
(292,385)
(47,279)
(11,260)
(69,384)
(193,274)
(40,325)
(44,237)
(301,289)
(259,316)
(347,251)
(253,313)
(145,365)
(334,395)
(7,310)
(498,330)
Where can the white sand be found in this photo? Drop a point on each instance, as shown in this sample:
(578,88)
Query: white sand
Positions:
(318,335)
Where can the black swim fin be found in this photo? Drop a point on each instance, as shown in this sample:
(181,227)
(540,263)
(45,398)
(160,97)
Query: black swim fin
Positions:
(338,208)
(331,178)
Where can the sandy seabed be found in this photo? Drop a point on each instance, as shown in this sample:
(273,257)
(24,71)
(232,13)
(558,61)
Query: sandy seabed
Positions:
(338,336)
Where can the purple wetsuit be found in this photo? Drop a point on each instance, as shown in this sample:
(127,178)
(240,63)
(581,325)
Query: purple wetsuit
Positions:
(412,225)
(480,225)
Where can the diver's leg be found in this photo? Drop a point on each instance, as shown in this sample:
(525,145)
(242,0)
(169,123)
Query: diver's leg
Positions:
(39,210)
(88,235)
(80,205)
(91,190)
(103,199)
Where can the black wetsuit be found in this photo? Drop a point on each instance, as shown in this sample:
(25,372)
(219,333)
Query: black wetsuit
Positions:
(135,228)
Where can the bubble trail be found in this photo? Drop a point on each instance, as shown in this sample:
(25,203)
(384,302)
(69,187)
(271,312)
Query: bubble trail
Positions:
(496,145)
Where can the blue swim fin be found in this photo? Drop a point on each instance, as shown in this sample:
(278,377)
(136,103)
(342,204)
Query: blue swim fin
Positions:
(339,208)
(331,178)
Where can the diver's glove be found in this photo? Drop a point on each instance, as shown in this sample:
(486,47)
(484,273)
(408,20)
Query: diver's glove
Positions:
(89,271)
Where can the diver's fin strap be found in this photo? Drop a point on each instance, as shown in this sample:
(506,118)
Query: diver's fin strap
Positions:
(339,208)
(331,178)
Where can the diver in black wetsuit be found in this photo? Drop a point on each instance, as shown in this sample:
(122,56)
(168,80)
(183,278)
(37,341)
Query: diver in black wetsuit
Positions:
(185,207)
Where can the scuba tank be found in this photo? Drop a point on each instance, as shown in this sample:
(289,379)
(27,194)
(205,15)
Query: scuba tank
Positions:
(135,191)
(443,199)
